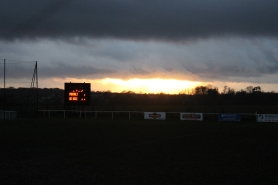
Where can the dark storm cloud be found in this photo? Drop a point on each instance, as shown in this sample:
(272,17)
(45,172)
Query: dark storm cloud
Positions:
(264,63)
(213,71)
(58,70)
(141,71)
(137,19)
(68,71)
(271,67)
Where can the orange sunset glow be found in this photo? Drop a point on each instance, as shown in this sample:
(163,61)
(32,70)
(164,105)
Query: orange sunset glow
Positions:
(136,85)
(153,85)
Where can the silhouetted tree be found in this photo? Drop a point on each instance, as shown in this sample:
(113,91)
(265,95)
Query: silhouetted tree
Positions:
(228,90)
(187,91)
(241,92)
(257,89)
(213,92)
(200,90)
(206,90)
(249,89)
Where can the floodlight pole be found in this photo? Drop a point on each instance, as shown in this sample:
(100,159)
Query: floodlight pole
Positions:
(4,116)
(37,87)
(34,84)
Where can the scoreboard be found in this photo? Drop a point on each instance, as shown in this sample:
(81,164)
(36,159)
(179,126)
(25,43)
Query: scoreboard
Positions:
(77,94)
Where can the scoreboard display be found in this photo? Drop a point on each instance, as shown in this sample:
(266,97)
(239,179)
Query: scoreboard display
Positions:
(77,93)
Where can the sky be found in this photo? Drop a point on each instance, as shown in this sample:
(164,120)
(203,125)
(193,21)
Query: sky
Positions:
(144,46)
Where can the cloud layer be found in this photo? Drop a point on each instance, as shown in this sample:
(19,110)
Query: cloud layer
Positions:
(223,41)
(145,19)
(207,60)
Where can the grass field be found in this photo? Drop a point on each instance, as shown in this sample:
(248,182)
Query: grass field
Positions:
(105,151)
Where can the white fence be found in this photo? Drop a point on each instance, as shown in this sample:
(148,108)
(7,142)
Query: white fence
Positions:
(48,113)
(133,114)
(8,114)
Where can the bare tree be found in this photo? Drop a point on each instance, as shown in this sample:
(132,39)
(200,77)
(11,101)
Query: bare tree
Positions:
(228,90)
(249,89)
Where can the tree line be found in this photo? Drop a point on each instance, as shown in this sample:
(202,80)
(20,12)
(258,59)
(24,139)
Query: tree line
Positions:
(202,98)
(204,95)
(212,90)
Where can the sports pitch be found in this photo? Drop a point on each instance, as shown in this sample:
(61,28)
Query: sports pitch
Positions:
(104,151)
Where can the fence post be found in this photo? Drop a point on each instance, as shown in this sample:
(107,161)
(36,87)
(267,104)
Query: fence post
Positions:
(112,115)
(129,115)
(48,113)
(64,114)
(96,115)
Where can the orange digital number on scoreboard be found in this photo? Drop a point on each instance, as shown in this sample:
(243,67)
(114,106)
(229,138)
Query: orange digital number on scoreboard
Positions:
(73,96)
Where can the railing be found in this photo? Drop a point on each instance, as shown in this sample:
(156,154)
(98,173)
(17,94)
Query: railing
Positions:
(113,114)
(47,113)
(8,115)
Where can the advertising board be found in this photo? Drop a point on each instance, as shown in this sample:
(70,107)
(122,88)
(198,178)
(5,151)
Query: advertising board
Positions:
(267,117)
(155,115)
(229,117)
(191,116)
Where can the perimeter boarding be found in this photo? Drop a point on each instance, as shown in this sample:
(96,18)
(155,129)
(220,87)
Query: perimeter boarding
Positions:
(183,116)
(221,116)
